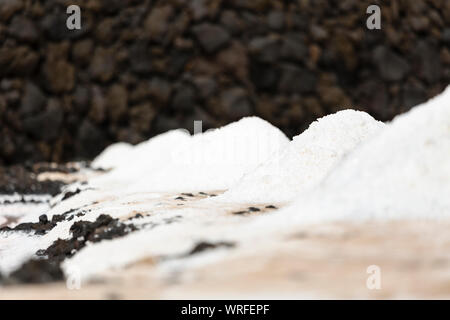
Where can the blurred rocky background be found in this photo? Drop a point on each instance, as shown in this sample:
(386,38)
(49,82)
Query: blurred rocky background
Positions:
(141,67)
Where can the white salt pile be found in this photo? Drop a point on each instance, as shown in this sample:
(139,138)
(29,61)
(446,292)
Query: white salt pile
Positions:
(402,173)
(304,161)
(112,156)
(213,160)
(15,248)
(345,166)
(307,160)
(131,163)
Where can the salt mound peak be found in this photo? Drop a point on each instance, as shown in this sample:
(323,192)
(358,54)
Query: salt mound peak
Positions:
(248,140)
(213,160)
(250,123)
(111,157)
(306,160)
(402,173)
(130,163)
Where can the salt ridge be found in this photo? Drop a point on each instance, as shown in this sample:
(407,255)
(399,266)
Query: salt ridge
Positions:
(399,172)
(213,160)
(112,156)
(307,159)
(404,173)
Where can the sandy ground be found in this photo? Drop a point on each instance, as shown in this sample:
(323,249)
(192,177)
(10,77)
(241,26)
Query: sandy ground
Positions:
(321,261)
(327,261)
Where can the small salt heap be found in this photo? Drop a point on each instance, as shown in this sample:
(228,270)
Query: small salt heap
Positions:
(155,151)
(307,160)
(402,173)
(112,156)
(176,161)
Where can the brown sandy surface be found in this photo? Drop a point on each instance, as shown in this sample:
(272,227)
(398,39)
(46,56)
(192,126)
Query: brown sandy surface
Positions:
(324,261)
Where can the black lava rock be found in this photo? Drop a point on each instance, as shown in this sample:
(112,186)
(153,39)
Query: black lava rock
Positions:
(211,37)
(139,68)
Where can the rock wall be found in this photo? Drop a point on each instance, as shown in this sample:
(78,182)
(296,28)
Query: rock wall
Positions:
(137,68)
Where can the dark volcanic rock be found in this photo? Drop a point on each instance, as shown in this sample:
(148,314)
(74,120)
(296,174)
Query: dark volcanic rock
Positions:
(54,26)
(36,271)
(184,97)
(47,124)
(141,117)
(265,49)
(33,100)
(103,64)
(160,90)
(90,139)
(9,8)
(276,20)
(39,228)
(211,37)
(58,72)
(140,61)
(231,21)
(82,51)
(23,29)
(206,86)
(236,103)
(104,228)
(48,269)
(294,48)
(23,180)
(157,22)
(296,79)
(70,194)
(264,76)
(446,35)
(413,94)
(428,61)
(117,102)
(391,66)
(205,246)
(82,96)
(60,76)
(106,31)
(139,68)
(18,61)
